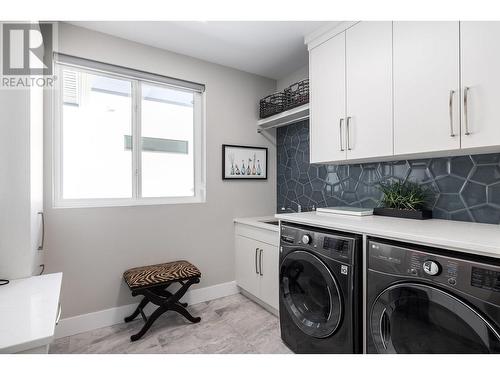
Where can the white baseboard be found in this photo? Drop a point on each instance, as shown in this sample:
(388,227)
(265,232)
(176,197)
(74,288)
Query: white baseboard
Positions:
(104,318)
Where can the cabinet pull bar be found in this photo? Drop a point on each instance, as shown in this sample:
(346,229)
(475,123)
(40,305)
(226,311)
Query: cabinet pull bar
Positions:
(340,128)
(452,92)
(348,135)
(260,263)
(466,116)
(40,247)
(256,255)
(59,312)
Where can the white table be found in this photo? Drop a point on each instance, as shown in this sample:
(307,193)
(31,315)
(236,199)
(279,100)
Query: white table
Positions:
(29,310)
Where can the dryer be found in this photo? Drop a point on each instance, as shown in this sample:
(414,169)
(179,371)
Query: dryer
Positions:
(426,300)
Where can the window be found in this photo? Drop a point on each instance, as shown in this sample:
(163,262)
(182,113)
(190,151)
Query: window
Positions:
(125,137)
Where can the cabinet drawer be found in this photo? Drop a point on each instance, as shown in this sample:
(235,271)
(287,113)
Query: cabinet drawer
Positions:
(263,235)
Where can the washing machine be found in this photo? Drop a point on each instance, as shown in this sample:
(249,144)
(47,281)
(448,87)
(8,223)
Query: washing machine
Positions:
(320,290)
(426,300)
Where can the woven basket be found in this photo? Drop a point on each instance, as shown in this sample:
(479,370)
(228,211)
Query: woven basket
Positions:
(297,94)
(272,104)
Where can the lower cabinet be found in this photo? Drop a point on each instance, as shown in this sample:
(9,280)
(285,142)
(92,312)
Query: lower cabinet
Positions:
(257,263)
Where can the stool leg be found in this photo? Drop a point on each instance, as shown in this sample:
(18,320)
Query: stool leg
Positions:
(155,315)
(181,310)
(137,311)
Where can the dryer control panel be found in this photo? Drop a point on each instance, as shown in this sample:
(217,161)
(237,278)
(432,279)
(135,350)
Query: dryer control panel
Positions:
(471,277)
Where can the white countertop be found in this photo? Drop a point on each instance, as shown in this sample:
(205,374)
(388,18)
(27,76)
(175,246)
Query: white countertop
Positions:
(28,312)
(474,238)
(259,222)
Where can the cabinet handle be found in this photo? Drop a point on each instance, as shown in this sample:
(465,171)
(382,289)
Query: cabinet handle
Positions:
(59,312)
(452,92)
(260,263)
(340,129)
(40,247)
(256,255)
(348,136)
(466,117)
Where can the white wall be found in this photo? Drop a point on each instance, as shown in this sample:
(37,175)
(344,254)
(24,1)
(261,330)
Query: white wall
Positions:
(93,246)
(298,75)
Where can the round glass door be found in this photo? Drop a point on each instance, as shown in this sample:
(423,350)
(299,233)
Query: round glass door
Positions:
(416,318)
(310,294)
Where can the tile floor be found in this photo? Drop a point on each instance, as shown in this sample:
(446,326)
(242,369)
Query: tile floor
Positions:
(233,324)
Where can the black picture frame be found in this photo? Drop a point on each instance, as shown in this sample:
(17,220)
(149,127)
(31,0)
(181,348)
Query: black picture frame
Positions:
(246,150)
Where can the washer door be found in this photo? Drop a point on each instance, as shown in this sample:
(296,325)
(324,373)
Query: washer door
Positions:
(417,318)
(310,293)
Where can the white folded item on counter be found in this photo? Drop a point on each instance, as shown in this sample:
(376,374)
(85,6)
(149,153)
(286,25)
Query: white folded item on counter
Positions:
(345,210)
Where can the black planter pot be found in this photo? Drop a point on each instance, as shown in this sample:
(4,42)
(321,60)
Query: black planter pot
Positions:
(404,214)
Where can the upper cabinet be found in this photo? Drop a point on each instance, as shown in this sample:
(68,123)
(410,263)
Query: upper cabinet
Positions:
(387,90)
(351,94)
(369,90)
(327,100)
(480,62)
(426,87)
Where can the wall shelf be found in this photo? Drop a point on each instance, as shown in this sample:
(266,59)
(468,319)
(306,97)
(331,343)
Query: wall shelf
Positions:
(284,118)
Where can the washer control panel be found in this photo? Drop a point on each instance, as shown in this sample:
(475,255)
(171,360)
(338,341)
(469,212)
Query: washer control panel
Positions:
(329,243)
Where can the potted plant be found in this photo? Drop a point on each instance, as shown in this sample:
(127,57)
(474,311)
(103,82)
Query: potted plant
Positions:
(403,199)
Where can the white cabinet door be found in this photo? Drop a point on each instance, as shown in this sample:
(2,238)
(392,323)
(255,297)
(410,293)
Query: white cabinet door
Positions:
(270,275)
(480,57)
(327,81)
(247,253)
(369,90)
(426,77)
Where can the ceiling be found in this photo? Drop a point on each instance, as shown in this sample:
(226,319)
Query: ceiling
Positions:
(271,49)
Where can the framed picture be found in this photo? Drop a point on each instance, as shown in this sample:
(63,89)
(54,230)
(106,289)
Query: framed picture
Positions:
(244,163)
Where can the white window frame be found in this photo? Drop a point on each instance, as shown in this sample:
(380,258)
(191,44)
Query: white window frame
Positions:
(199,146)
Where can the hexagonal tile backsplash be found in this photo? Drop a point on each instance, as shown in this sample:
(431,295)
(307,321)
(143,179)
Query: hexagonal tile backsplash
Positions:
(465,188)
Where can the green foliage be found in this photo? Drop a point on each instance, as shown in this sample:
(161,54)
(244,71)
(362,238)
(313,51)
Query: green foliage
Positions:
(403,195)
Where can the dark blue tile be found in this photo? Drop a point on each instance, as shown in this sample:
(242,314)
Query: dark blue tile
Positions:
(419,173)
(440,167)
(461,166)
(486,159)
(473,194)
(299,190)
(332,178)
(350,184)
(318,197)
(486,214)
(334,202)
(486,174)
(317,184)
(322,172)
(370,176)
(494,194)
(463,188)
(369,203)
(355,171)
(308,189)
(462,215)
(349,197)
(343,171)
(440,214)
(368,191)
(450,184)
(449,202)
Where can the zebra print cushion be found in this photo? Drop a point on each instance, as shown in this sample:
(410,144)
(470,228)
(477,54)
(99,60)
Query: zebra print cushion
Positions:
(147,276)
